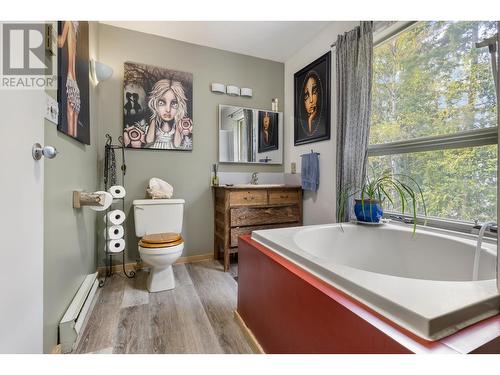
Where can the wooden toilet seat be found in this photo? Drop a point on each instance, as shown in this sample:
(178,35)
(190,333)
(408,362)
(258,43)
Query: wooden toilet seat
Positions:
(160,240)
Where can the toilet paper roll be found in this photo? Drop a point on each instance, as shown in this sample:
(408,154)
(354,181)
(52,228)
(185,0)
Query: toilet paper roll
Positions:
(108,200)
(115,217)
(114,232)
(116,246)
(117,191)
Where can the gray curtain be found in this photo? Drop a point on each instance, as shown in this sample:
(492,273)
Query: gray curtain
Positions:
(354,58)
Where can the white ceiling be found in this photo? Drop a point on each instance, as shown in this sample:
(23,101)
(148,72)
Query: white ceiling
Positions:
(272,40)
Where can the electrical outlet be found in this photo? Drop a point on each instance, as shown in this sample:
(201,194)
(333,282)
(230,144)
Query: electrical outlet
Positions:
(52,109)
(294,168)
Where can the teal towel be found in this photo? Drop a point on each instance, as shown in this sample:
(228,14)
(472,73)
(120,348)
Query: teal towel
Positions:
(310,171)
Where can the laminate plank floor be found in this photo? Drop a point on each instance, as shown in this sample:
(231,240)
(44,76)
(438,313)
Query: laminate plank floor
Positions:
(101,327)
(195,317)
(218,299)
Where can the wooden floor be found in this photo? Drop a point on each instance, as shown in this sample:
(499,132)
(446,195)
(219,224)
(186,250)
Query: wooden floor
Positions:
(195,317)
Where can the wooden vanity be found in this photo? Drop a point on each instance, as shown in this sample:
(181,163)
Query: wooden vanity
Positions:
(241,210)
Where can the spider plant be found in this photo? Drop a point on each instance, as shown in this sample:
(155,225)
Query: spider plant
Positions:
(377,189)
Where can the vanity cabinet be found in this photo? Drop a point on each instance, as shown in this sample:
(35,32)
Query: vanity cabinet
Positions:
(241,210)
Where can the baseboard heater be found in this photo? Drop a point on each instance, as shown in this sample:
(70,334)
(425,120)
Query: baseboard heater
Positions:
(72,321)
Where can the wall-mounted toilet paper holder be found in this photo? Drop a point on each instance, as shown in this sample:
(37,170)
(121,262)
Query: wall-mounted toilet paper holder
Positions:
(81,198)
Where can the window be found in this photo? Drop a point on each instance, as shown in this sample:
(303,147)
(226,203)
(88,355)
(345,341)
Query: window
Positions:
(434,116)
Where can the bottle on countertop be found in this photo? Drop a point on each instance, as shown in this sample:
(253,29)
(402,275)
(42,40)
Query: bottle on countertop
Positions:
(215,178)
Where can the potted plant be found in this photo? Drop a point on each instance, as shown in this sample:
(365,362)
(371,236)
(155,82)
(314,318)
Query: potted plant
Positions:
(375,190)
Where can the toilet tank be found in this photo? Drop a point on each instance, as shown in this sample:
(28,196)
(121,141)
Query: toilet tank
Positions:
(158,216)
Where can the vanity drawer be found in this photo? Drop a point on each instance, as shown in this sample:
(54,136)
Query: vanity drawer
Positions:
(264,215)
(248,197)
(283,196)
(239,231)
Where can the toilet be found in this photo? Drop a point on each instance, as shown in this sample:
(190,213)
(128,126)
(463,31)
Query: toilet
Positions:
(158,222)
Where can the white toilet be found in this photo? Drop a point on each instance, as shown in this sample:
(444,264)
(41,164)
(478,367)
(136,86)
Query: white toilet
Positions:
(159,223)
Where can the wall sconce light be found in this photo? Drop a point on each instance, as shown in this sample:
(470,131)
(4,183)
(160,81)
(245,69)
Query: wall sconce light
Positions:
(99,71)
(246,92)
(232,90)
(218,88)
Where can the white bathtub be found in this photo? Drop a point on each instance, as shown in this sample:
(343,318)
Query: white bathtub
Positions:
(422,283)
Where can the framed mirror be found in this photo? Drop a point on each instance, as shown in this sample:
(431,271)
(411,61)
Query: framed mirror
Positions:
(249,135)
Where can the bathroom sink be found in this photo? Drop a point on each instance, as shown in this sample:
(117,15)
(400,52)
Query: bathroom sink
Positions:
(257,186)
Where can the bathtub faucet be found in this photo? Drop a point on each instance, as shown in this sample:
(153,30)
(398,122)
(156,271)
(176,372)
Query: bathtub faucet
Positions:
(492,227)
(255,179)
(484,227)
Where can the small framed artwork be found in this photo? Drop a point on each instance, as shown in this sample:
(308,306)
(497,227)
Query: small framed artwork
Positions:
(73,79)
(312,102)
(268,131)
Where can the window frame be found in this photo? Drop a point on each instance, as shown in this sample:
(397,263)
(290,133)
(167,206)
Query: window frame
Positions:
(467,138)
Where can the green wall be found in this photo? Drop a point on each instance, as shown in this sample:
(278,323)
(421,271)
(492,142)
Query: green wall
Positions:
(187,172)
(72,246)
(69,234)
(73,243)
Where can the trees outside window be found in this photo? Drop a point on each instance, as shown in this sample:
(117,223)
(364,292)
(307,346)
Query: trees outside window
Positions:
(434,116)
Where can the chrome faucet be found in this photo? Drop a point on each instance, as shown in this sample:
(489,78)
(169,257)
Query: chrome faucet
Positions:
(477,254)
(255,178)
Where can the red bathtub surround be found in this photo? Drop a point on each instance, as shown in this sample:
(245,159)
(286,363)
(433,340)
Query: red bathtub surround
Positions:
(291,311)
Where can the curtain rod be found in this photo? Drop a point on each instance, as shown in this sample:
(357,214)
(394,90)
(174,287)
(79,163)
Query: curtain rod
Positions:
(335,43)
(387,29)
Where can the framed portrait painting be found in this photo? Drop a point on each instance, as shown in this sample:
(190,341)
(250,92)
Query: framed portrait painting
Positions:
(268,131)
(312,101)
(157,108)
(73,79)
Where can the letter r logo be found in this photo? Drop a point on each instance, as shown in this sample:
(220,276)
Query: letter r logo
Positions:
(24,49)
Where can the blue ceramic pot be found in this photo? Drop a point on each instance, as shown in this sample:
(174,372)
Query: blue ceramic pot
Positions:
(371,212)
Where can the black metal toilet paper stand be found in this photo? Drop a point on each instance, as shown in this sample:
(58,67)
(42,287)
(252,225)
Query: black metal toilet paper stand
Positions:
(110,180)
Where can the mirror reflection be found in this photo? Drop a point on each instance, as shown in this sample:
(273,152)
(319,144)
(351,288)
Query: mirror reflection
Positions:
(248,135)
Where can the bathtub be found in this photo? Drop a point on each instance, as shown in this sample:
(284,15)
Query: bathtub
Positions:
(422,282)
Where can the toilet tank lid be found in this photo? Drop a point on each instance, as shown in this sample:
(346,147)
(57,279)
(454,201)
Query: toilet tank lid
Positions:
(140,202)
